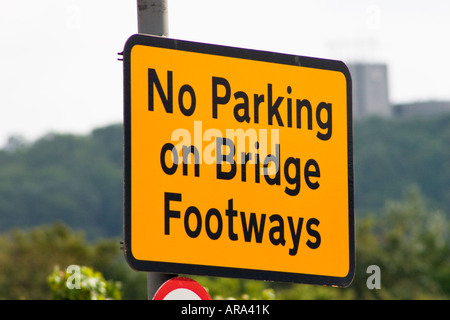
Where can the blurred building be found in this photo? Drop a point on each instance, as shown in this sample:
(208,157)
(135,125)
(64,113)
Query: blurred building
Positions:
(420,109)
(370,90)
(371,95)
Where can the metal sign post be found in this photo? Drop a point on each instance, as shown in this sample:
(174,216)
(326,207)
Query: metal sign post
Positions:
(152,20)
(152,17)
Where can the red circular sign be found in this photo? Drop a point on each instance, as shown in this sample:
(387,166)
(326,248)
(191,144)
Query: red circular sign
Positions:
(181,288)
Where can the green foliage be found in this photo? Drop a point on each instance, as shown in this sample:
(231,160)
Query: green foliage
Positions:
(63,177)
(390,155)
(82,283)
(29,256)
(415,242)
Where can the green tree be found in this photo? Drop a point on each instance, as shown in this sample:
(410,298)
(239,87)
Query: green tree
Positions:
(28,257)
(415,247)
(82,283)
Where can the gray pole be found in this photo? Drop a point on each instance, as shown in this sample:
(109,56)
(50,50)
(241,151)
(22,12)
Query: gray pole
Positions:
(152,19)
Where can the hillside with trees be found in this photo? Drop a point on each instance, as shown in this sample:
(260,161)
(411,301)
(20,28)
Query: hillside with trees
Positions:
(391,155)
(74,179)
(78,179)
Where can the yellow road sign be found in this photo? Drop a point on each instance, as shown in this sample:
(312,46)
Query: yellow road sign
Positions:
(238,163)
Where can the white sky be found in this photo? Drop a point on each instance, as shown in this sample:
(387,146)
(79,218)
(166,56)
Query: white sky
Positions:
(58,58)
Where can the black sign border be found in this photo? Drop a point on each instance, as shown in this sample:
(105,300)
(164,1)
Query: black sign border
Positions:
(249,54)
